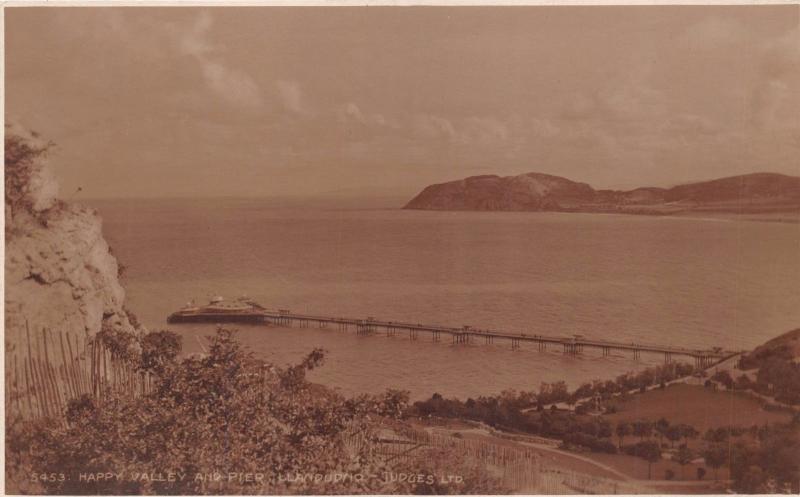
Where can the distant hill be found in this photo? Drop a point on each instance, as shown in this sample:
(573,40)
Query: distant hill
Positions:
(750,193)
(786,347)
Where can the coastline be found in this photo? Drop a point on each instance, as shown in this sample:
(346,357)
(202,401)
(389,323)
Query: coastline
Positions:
(782,217)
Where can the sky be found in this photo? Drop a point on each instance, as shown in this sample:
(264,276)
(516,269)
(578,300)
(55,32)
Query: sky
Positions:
(280,101)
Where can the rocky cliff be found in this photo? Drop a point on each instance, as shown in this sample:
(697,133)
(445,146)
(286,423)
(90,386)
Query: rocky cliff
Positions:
(759,192)
(59,271)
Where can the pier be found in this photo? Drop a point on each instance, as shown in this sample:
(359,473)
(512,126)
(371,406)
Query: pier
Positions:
(571,346)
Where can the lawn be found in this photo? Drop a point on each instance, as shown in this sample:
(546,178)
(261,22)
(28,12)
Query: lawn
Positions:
(695,405)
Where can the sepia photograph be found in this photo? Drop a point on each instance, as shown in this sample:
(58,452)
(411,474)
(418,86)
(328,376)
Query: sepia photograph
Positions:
(401,249)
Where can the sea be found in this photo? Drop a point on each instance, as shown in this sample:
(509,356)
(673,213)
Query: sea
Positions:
(692,282)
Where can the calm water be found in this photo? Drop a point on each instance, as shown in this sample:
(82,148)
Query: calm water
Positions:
(686,282)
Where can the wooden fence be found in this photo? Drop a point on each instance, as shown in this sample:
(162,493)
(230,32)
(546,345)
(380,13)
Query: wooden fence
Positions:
(518,468)
(53,368)
(556,481)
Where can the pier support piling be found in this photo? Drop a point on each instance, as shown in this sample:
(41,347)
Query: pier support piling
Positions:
(703,358)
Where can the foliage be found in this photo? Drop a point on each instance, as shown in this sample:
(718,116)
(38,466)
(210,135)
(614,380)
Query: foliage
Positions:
(225,413)
(642,428)
(593,443)
(513,411)
(159,350)
(780,378)
(623,430)
(772,460)
(683,457)
(779,351)
(21,160)
(121,343)
(647,450)
(724,378)
(716,455)
(778,373)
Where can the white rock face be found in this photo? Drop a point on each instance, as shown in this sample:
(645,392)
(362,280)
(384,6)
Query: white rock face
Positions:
(62,277)
(44,188)
(59,273)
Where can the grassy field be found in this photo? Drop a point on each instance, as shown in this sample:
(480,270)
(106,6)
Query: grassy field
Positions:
(636,468)
(695,405)
(605,465)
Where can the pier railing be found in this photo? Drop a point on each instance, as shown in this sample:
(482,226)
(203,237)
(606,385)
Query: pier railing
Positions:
(572,345)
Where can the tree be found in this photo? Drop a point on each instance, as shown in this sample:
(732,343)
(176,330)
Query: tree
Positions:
(604,429)
(724,378)
(661,427)
(642,429)
(623,430)
(683,457)
(22,158)
(674,434)
(716,456)
(701,472)
(716,436)
(687,432)
(650,452)
(753,481)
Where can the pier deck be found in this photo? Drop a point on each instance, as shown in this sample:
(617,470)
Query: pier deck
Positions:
(571,345)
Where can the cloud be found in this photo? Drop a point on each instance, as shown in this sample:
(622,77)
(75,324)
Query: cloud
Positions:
(775,99)
(544,128)
(194,41)
(431,126)
(626,103)
(352,112)
(292,97)
(482,131)
(713,32)
(689,125)
(469,131)
(233,85)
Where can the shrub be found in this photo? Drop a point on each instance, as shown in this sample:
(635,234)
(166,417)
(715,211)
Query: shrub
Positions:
(22,160)
(159,349)
(228,413)
(724,378)
(590,442)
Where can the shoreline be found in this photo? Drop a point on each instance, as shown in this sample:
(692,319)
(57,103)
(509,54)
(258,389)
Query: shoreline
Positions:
(781,216)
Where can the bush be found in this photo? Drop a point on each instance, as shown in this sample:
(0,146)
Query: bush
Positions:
(724,378)
(226,413)
(590,442)
(159,349)
(22,160)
